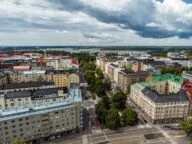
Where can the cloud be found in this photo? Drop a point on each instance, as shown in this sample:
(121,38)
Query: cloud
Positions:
(98,35)
(99,20)
(171,18)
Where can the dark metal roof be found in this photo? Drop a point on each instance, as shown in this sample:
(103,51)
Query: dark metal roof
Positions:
(25,85)
(37,93)
(172,97)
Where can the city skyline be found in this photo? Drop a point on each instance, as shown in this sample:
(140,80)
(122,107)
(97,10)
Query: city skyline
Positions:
(97,22)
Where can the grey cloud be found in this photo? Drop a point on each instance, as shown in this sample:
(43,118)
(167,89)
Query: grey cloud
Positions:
(136,17)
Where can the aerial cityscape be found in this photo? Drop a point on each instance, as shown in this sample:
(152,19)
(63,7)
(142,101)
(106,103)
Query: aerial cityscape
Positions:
(96,72)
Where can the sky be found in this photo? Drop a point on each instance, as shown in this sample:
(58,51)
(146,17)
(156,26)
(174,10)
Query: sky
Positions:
(96,22)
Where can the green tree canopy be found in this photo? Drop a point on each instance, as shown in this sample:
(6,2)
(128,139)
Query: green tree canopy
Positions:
(89,66)
(106,101)
(107,84)
(101,112)
(113,119)
(99,88)
(129,117)
(99,73)
(18,141)
(187,126)
(119,100)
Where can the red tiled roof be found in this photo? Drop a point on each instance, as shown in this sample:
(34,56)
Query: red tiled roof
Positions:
(187,86)
(21,67)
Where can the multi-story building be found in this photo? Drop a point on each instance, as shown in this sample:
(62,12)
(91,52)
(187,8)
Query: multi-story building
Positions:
(187,86)
(136,66)
(166,83)
(26,86)
(185,62)
(160,108)
(127,78)
(39,122)
(111,70)
(21,98)
(130,61)
(3,78)
(60,78)
(73,78)
(52,63)
(26,76)
(172,54)
(187,75)
(63,78)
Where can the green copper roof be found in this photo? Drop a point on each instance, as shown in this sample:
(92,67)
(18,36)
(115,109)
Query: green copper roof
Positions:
(164,77)
(142,85)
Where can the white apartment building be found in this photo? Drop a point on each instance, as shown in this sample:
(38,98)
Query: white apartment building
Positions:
(187,75)
(160,108)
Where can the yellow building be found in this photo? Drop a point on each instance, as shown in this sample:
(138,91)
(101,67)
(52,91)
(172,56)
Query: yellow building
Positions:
(63,78)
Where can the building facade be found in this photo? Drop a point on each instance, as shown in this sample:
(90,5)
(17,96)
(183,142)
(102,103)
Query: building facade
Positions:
(3,78)
(127,78)
(160,108)
(187,75)
(63,78)
(166,83)
(39,122)
(26,76)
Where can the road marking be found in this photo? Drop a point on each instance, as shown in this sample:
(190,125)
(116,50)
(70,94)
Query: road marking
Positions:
(119,140)
(165,133)
(85,139)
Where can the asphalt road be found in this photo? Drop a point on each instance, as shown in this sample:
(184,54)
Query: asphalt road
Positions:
(131,135)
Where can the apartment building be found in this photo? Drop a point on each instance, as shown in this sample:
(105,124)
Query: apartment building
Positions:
(39,122)
(187,75)
(166,83)
(111,70)
(26,86)
(127,78)
(3,78)
(172,54)
(52,63)
(26,76)
(22,98)
(185,62)
(130,61)
(160,108)
(63,78)
(73,78)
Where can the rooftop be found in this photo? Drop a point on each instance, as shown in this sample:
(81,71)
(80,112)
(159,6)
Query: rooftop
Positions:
(164,77)
(140,86)
(36,109)
(35,93)
(172,97)
(25,85)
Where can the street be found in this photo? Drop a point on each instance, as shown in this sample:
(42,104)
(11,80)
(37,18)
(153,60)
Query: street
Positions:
(141,134)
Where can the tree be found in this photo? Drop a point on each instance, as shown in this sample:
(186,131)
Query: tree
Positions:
(106,101)
(129,117)
(113,119)
(18,141)
(119,100)
(89,66)
(101,112)
(89,76)
(99,88)
(107,84)
(187,126)
(99,73)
